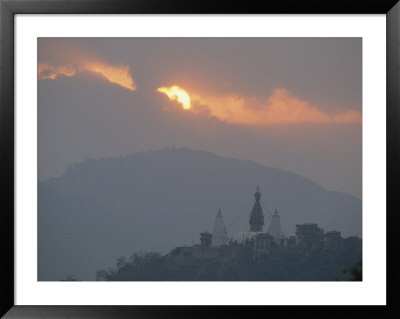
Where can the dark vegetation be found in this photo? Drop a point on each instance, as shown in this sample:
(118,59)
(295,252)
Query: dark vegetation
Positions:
(282,265)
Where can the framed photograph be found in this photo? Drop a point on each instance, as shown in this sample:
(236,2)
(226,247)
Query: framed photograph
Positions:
(164,153)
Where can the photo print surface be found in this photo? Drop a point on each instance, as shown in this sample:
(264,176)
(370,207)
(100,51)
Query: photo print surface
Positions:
(199,159)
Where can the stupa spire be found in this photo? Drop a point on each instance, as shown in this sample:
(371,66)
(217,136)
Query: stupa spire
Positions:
(257,216)
(219,231)
(275,228)
(257,194)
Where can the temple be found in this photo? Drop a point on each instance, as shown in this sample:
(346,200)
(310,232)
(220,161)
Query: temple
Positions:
(256,243)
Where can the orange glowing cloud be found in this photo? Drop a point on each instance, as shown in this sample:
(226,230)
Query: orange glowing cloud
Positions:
(115,74)
(178,94)
(280,108)
(48,71)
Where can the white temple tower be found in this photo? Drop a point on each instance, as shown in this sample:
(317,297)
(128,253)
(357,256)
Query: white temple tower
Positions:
(275,227)
(219,236)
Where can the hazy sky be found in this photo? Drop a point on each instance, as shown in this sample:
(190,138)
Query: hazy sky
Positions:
(293,104)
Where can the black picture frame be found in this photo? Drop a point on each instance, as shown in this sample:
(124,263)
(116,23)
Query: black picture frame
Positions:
(9,8)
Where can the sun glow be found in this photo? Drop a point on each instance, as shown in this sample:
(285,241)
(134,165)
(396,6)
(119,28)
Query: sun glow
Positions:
(177,93)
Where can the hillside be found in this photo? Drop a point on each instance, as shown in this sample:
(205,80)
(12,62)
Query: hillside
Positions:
(157,200)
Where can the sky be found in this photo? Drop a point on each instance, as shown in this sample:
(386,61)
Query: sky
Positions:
(289,103)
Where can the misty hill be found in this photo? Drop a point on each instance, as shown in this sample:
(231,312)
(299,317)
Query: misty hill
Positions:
(102,209)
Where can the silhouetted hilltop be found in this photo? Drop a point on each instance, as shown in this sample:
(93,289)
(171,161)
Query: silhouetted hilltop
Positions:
(157,200)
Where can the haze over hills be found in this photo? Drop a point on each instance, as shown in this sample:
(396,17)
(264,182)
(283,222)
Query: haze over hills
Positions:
(102,209)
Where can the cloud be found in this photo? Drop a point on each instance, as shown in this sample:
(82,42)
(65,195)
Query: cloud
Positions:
(115,74)
(48,71)
(280,108)
(118,74)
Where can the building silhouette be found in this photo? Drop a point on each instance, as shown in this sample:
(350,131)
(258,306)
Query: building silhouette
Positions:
(308,237)
(332,240)
(256,243)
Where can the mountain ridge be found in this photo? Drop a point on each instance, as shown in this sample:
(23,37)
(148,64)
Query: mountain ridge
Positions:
(100,209)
